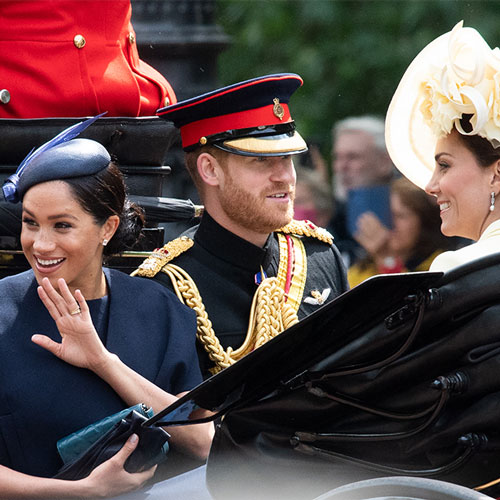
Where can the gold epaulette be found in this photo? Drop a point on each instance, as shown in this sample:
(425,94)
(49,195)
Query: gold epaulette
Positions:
(307,228)
(162,256)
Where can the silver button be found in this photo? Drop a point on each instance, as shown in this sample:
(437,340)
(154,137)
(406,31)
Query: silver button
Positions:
(4,96)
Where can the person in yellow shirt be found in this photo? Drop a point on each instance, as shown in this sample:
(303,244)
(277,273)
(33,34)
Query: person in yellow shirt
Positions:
(412,243)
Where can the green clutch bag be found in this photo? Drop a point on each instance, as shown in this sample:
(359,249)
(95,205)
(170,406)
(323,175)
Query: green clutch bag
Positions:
(73,445)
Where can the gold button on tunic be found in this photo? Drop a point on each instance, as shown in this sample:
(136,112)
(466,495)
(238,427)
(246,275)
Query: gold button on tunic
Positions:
(79,41)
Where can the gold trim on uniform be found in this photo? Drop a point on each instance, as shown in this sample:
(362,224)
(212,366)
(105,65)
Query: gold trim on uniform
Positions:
(272,310)
(162,256)
(269,316)
(287,144)
(198,210)
(298,273)
(307,228)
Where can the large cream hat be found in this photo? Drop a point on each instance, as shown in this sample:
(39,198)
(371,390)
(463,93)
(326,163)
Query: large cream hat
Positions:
(456,74)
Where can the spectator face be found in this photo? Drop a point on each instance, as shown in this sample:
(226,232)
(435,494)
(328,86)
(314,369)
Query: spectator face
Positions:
(406,227)
(304,206)
(357,162)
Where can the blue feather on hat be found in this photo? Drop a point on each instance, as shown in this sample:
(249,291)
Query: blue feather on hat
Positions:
(9,188)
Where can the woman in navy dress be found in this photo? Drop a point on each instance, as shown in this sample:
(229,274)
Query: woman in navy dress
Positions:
(54,382)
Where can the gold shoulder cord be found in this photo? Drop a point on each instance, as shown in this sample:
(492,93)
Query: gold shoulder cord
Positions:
(269,316)
(162,256)
(272,311)
(307,228)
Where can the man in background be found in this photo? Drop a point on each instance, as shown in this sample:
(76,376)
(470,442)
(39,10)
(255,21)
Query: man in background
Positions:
(362,171)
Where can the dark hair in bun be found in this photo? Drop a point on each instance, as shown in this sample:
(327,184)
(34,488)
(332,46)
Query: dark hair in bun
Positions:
(104,194)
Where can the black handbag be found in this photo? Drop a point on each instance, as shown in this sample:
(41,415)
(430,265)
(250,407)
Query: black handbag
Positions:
(392,378)
(150,449)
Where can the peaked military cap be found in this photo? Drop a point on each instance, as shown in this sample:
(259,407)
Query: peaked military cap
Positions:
(250,118)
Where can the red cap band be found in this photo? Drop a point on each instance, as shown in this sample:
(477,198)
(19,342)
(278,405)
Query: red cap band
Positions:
(191,133)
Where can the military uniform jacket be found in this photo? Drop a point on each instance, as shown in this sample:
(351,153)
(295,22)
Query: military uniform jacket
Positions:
(75,58)
(43,399)
(224,267)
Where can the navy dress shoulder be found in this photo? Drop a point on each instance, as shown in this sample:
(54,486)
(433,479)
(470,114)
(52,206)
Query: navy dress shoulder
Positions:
(43,398)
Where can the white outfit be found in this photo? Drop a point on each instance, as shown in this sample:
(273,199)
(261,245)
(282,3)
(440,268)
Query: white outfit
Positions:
(488,243)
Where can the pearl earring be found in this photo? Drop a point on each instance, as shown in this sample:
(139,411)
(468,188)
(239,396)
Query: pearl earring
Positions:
(105,241)
(492,201)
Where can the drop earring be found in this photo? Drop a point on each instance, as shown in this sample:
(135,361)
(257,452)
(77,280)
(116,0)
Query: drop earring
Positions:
(105,241)
(492,201)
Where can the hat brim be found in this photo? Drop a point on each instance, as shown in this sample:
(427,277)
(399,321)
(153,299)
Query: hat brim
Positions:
(410,141)
(272,145)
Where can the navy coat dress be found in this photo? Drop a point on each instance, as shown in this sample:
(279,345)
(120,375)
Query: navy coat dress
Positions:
(43,398)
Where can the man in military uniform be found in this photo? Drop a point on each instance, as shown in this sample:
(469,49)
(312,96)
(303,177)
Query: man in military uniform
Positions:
(246,279)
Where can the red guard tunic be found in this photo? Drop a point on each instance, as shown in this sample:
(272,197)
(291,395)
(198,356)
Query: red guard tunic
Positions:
(62,58)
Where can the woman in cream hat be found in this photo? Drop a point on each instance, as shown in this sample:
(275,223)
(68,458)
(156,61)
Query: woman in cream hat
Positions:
(443,133)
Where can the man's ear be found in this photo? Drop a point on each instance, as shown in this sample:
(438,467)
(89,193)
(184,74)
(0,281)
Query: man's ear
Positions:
(209,169)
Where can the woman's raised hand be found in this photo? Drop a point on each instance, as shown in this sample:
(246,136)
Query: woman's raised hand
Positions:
(80,344)
(372,235)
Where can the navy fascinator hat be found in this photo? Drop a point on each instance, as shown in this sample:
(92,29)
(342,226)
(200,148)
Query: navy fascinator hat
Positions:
(62,157)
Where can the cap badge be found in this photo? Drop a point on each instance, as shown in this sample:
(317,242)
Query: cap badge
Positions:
(278,110)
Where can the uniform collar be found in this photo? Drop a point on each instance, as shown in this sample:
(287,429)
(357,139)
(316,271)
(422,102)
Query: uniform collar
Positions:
(227,246)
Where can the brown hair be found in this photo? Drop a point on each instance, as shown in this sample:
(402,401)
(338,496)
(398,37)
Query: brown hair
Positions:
(480,147)
(425,207)
(191,159)
(103,195)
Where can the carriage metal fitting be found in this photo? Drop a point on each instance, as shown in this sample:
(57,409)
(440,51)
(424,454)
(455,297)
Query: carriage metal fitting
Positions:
(456,383)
